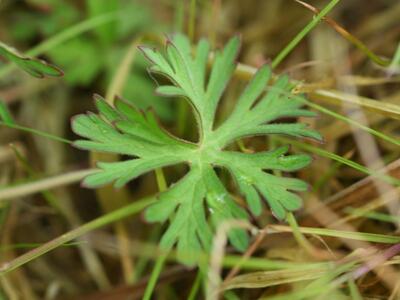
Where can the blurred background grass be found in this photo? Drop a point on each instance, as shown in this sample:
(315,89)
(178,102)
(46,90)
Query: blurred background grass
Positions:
(90,40)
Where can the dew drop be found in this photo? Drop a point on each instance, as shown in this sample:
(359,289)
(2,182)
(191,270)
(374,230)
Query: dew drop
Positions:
(221,198)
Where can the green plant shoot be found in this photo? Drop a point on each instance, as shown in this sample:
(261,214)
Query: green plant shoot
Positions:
(199,202)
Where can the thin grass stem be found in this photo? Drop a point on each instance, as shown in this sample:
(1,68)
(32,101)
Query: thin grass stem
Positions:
(300,36)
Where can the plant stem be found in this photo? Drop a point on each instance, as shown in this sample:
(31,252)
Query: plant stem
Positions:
(349,37)
(161,182)
(298,235)
(154,276)
(162,186)
(192,19)
(196,286)
(142,261)
(215,12)
(43,184)
(179,15)
(37,132)
(352,235)
(396,59)
(297,39)
(121,75)
(354,292)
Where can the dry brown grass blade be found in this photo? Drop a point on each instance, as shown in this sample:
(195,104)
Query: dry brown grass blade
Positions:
(217,255)
(249,252)
(335,97)
(43,184)
(348,36)
(121,196)
(364,196)
(356,80)
(328,218)
(17,284)
(361,192)
(271,278)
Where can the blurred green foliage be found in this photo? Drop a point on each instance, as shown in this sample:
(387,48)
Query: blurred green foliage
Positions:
(35,67)
(92,58)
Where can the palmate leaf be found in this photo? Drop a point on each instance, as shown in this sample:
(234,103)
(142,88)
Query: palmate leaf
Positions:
(199,202)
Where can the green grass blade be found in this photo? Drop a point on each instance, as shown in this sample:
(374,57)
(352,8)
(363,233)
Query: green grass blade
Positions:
(5,114)
(386,178)
(106,219)
(354,123)
(354,292)
(372,215)
(352,235)
(154,276)
(36,132)
(297,39)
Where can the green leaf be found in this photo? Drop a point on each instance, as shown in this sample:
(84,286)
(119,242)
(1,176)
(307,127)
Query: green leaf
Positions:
(196,205)
(139,87)
(5,115)
(189,228)
(35,67)
(221,73)
(223,208)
